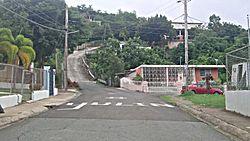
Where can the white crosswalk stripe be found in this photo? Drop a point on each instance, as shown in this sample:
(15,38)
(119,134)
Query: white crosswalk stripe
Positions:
(118,104)
(69,104)
(80,106)
(98,104)
(161,105)
(120,98)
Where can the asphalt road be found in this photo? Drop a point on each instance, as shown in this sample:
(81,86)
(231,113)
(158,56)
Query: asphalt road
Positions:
(109,114)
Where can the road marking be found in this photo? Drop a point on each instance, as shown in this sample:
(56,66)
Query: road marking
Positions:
(121,104)
(141,104)
(80,106)
(161,105)
(120,98)
(69,104)
(65,109)
(97,104)
(118,104)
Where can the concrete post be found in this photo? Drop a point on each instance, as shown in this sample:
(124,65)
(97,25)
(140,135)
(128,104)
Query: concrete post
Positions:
(12,79)
(22,82)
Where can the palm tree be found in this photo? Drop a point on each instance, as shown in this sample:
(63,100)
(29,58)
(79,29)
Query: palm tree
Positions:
(26,53)
(19,51)
(7,46)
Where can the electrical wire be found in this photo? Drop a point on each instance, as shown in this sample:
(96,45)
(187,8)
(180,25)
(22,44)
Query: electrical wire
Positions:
(178,17)
(41,25)
(198,20)
(161,8)
(33,12)
(172,10)
(121,26)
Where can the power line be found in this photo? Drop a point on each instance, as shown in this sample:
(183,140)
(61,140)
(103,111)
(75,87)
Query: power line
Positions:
(43,13)
(137,27)
(172,10)
(178,17)
(44,26)
(33,12)
(160,8)
(198,20)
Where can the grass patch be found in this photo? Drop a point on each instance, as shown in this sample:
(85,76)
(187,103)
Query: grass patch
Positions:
(206,100)
(26,93)
(3,94)
(168,99)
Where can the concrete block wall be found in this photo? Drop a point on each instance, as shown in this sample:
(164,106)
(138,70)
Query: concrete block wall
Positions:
(39,95)
(238,101)
(131,85)
(10,101)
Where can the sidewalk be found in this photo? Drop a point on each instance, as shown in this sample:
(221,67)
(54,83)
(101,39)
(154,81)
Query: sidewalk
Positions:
(228,122)
(27,110)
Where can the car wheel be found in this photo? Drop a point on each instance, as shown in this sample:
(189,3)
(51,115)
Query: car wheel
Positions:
(216,93)
(193,92)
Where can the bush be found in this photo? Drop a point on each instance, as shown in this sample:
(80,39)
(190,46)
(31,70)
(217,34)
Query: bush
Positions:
(187,93)
(138,77)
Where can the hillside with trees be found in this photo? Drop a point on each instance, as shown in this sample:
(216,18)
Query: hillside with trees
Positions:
(209,42)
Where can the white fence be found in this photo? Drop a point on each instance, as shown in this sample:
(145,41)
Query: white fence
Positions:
(238,101)
(11,100)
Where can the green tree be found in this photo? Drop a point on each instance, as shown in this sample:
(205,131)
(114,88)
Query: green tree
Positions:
(21,48)
(155,28)
(7,46)
(26,53)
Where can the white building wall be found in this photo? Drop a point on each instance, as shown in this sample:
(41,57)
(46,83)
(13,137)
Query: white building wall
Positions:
(236,75)
(10,101)
(238,101)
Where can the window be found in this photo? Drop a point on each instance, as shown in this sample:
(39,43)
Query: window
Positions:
(204,72)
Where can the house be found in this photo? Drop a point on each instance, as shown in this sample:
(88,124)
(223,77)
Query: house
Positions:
(240,75)
(179,28)
(171,74)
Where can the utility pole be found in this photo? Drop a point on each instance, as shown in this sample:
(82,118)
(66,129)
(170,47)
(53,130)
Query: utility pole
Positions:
(248,36)
(248,52)
(186,41)
(66,49)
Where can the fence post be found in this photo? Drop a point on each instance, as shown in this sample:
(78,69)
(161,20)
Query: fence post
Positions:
(22,82)
(12,77)
(227,71)
(248,74)
(32,77)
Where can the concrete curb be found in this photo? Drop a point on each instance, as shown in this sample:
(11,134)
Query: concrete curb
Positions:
(6,121)
(38,107)
(210,119)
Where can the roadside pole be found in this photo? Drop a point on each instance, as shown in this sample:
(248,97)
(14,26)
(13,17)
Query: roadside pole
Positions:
(186,41)
(248,62)
(66,50)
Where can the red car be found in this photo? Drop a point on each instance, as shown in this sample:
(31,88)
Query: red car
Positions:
(201,89)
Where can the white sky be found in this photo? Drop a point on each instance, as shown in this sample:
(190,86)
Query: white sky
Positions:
(233,11)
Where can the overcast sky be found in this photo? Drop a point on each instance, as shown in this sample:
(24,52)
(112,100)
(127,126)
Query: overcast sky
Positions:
(233,11)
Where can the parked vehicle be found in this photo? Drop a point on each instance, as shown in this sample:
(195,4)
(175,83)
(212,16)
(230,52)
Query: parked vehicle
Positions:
(201,89)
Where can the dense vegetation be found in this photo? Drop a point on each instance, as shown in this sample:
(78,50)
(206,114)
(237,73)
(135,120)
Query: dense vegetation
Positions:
(208,43)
